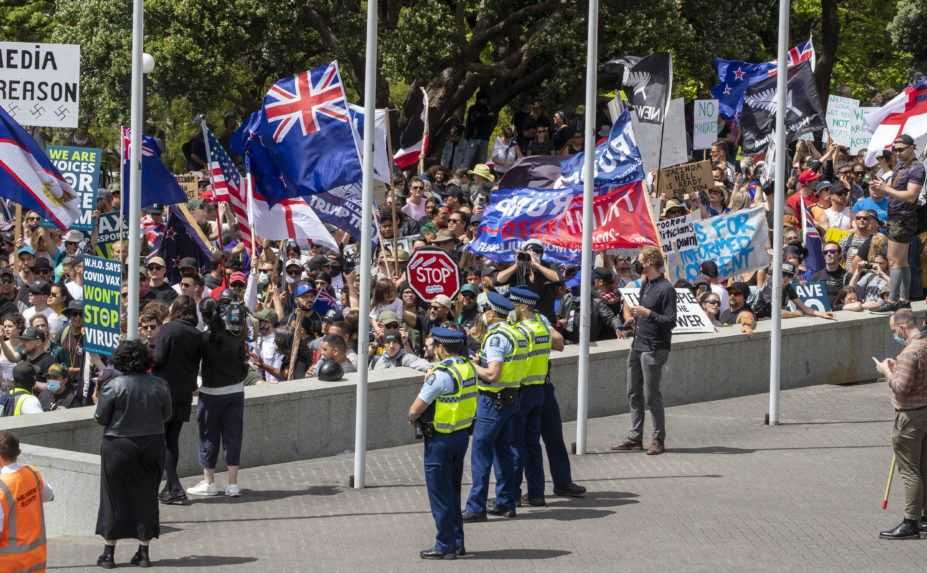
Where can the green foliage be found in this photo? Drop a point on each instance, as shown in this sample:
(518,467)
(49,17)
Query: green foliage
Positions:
(26,21)
(907,27)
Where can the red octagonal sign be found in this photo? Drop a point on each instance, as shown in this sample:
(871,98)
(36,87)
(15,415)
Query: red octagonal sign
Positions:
(432,272)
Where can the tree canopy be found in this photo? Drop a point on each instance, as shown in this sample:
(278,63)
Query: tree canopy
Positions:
(217,57)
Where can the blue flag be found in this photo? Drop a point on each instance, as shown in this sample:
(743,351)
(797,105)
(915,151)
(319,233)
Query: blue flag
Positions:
(734,78)
(183,238)
(158,183)
(306,127)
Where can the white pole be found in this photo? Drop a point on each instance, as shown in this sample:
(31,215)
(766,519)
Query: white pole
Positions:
(582,392)
(370,115)
(135,171)
(775,339)
(249,182)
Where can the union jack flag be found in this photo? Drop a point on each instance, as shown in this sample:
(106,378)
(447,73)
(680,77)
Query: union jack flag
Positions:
(301,104)
(803,52)
(226,182)
(811,239)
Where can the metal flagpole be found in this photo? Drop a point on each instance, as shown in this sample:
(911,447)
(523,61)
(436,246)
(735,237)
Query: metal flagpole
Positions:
(135,171)
(775,339)
(370,114)
(250,187)
(582,392)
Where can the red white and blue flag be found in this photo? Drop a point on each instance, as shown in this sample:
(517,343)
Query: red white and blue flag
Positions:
(28,177)
(906,114)
(811,239)
(307,130)
(227,184)
(803,52)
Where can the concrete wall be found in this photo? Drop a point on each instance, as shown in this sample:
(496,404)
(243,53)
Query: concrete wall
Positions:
(305,419)
(75,477)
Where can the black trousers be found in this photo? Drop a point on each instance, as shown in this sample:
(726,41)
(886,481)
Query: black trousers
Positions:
(172,453)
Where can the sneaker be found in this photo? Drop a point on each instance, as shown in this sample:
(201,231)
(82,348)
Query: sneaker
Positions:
(203,488)
(885,308)
(232,490)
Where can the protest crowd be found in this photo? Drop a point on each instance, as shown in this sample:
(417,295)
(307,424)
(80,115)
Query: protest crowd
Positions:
(246,284)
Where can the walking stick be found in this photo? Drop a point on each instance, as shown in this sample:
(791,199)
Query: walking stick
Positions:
(888,483)
(297,335)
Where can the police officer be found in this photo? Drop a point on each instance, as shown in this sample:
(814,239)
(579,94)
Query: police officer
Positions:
(444,410)
(503,356)
(527,426)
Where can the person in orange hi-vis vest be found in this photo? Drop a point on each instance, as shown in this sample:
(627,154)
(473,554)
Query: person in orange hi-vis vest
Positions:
(22,491)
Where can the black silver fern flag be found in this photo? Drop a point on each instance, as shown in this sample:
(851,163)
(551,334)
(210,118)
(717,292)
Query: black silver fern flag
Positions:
(803,113)
(647,81)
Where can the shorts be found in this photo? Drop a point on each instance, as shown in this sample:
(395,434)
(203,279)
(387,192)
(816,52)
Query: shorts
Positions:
(902,228)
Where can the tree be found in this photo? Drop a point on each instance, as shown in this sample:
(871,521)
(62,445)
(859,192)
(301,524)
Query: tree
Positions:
(907,28)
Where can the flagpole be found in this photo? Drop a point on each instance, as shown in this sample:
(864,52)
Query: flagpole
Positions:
(666,102)
(582,392)
(250,207)
(370,111)
(775,339)
(421,155)
(135,172)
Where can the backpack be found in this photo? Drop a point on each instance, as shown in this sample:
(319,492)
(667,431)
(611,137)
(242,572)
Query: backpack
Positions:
(7,403)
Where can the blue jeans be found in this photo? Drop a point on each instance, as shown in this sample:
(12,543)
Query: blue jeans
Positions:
(492,448)
(444,462)
(552,434)
(526,443)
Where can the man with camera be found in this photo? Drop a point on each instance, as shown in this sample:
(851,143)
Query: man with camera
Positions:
(528,270)
(444,412)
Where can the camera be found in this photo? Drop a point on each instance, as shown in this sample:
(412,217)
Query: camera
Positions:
(865,266)
(523,256)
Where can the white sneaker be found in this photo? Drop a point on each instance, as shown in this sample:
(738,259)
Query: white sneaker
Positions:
(232,490)
(203,488)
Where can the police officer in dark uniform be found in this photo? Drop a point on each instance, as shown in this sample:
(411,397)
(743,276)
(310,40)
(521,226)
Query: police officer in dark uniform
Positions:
(444,412)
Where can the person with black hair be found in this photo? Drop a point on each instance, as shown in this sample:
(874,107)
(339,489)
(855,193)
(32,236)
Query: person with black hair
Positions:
(134,408)
(177,355)
(221,404)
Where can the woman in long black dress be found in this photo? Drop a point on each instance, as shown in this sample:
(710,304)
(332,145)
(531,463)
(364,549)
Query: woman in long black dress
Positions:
(133,407)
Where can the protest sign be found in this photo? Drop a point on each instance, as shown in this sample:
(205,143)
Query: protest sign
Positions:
(674,138)
(841,116)
(110,229)
(860,134)
(80,167)
(40,83)
(690,316)
(814,295)
(102,293)
(687,178)
(340,208)
(676,237)
(704,123)
(617,160)
(736,241)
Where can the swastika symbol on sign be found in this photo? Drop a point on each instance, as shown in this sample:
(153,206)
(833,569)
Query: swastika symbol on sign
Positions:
(62,112)
(12,109)
(37,110)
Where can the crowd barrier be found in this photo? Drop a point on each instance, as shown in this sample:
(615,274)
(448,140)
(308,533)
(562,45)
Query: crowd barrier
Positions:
(308,419)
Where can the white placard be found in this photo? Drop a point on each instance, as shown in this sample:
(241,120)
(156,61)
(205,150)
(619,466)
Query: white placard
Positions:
(841,116)
(860,134)
(40,83)
(677,236)
(674,138)
(690,317)
(704,123)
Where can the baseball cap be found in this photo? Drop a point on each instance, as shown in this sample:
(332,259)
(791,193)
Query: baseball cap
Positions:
(238,277)
(292,263)
(25,249)
(40,287)
(266,315)
(603,274)
(823,185)
(187,263)
(392,335)
(534,245)
(153,209)
(443,300)
(808,176)
(32,333)
(387,316)
(469,289)
(302,289)
(904,139)
(710,269)
(156,261)
(24,374)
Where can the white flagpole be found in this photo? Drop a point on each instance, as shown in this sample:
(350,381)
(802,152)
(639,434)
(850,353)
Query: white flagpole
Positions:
(775,339)
(135,172)
(582,391)
(370,114)
(250,185)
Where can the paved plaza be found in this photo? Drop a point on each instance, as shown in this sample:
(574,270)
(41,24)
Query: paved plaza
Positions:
(730,495)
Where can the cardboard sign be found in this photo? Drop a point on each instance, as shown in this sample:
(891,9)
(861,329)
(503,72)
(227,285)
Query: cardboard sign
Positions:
(40,83)
(80,166)
(704,123)
(678,236)
(690,317)
(814,295)
(102,293)
(737,242)
(860,134)
(674,138)
(841,117)
(686,178)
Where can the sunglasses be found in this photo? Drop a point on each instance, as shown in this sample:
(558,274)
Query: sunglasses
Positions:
(863,218)
(860,173)
(712,301)
(148,327)
(392,325)
(831,251)
(154,267)
(32,219)
(295,273)
(41,271)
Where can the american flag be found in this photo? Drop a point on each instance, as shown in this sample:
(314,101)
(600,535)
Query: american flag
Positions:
(226,182)
(301,105)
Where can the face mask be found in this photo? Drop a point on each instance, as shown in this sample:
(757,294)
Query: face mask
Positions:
(54,386)
(637,266)
(290,280)
(899,339)
(263,276)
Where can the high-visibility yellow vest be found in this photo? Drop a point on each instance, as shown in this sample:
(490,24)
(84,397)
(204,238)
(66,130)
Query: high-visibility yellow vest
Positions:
(538,350)
(514,363)
(19,395)
(456,411)
(22,543)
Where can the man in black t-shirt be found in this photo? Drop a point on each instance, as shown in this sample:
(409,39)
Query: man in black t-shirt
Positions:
(833,275)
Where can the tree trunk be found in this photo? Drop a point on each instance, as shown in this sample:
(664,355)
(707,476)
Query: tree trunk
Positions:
(827,56)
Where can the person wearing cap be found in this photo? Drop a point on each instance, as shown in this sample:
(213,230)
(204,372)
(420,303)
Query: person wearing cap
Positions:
(674,208)
(530,271)
(394,355)
(605,322)
(72,241)
(838,214)
(60,393)
(9,300)
(237,282)
(439,313)
(503,360)
(807,183)
(74,280)
(445,411)
(264,353)
(529,463)
(468,311)
(762,306)
(447,242)
(716,283)
(24,400)
(903,193)
(71,354)
(876,202)
(158,287)
(738,293)
(39,292)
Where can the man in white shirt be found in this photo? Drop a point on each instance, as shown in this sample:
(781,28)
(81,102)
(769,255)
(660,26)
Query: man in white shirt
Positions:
(75,284)
(38,298)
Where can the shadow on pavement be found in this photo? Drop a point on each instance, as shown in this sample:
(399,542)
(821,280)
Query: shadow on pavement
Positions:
(203,561)
(595,499)
(825,422)
(292,517)
(567,514)
(255,495)
(516,554)
(613,478)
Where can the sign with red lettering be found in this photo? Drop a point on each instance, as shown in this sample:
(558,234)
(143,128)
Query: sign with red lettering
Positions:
(432,272)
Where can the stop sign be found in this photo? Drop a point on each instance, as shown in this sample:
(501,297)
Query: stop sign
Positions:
(432,272)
